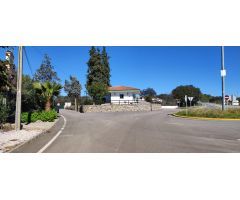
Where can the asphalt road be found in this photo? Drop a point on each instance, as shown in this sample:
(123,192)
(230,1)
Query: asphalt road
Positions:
(142,132)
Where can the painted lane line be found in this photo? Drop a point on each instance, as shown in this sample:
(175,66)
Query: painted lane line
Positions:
(54,138)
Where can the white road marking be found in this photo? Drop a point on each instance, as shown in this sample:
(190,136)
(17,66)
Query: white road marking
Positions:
(54,138)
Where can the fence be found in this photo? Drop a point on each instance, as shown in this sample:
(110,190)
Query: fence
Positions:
(134,101)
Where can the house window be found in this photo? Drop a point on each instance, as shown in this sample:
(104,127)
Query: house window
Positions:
(121,96)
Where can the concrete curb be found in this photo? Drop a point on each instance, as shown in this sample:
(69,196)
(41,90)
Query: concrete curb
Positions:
(206,118)
(32,139)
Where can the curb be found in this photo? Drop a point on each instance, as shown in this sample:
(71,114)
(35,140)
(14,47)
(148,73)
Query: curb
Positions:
(206,118)
(32,139)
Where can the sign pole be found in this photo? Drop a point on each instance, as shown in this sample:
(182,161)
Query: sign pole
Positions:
(186,98)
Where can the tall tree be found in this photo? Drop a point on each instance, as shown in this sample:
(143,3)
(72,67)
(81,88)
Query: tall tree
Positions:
(73,88)
(46,71)
(96,86)
(106,66)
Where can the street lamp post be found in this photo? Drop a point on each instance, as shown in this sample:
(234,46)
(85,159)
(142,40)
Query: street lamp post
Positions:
(223,74)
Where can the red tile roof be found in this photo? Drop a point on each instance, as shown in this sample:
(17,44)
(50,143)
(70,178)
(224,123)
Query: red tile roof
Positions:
(121,88)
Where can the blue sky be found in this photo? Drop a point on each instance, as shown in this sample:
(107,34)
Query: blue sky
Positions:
(162,68)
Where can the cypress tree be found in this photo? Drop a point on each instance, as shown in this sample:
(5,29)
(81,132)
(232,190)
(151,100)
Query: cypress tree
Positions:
(106,66)
(96,84)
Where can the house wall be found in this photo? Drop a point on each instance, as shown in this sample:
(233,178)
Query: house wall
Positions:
(128,97)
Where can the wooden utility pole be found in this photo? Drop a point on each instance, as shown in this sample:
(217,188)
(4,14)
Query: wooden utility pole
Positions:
(19,90)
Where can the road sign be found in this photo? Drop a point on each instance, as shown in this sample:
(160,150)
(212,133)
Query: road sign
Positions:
(190,99)
(186,98)
(227,97)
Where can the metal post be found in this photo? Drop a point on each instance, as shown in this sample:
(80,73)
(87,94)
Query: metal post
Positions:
(186,100)
(19,90)
(223,79)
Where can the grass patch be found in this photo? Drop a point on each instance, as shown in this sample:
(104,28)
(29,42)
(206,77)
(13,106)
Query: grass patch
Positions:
(211,113)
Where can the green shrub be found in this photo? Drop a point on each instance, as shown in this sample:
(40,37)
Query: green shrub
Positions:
(45,116)
(3,114)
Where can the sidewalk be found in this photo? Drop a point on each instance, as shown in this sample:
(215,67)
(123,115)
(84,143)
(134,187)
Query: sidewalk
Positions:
(11,139)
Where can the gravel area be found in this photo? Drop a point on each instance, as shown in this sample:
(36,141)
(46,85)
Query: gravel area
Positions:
(11,139)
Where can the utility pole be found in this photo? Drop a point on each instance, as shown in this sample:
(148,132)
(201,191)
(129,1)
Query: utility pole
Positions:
(223,74)
(19,90)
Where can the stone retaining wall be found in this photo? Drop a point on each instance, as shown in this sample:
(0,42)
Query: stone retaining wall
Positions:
(120,108)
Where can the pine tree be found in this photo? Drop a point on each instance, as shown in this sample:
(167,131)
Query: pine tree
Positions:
(106,66)
(46,71)
(96,81)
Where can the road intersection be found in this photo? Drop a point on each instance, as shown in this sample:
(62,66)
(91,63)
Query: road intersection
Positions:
(143,132)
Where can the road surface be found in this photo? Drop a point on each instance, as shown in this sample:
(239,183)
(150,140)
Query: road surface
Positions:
(140,132)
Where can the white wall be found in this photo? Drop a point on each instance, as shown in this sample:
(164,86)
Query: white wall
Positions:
(115,97)
(170,107)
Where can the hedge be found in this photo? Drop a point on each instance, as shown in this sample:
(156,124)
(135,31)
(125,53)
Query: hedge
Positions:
(45,116)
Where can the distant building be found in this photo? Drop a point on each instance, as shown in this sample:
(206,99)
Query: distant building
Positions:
(234,101)
(9,57)
(123,95)
(11,71)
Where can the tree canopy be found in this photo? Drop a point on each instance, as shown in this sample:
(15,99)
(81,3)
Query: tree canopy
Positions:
(189,90)
(148,92)
(28,94)
(106,67)
(46,71)
(3,75)
(73,87)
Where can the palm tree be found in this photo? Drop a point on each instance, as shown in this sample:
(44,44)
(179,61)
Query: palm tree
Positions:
(47,90)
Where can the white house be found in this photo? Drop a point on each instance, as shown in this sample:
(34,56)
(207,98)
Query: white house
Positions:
(123,95)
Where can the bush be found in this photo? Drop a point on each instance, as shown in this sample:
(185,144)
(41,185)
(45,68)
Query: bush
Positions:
(148,99)
(45,116)
(3,114)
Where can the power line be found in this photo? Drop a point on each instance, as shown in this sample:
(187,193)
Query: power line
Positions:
(38,51)
(29,65)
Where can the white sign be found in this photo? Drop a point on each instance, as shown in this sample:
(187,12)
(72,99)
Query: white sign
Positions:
(190,98)
(185,98)
(223,73)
